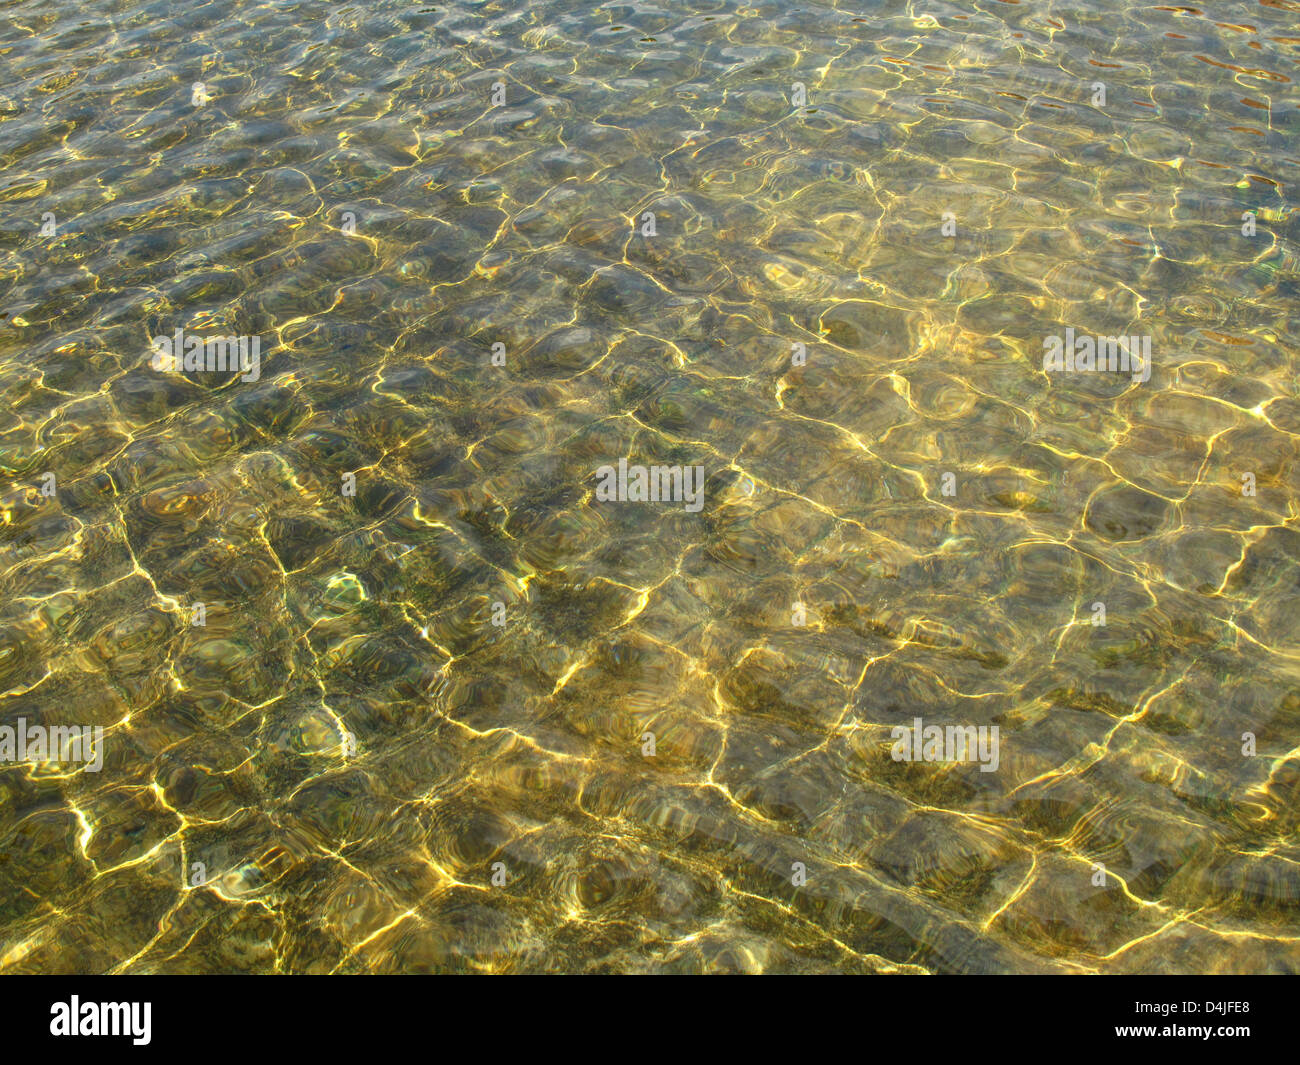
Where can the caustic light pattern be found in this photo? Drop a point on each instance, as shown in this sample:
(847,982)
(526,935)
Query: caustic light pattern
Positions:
(649,487)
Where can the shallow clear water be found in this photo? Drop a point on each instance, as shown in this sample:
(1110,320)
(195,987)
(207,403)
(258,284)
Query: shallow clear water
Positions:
(445,677)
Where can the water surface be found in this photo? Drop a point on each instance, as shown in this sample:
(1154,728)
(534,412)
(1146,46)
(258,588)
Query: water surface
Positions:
(447,678)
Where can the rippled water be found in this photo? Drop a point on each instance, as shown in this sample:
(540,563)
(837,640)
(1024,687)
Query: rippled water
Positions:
(412,728)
